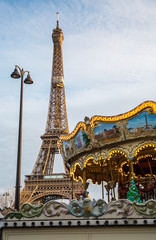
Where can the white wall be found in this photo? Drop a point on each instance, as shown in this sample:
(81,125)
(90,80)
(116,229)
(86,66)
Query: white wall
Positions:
(81,233)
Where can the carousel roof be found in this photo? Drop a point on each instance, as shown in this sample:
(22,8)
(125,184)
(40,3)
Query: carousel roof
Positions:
(128,136)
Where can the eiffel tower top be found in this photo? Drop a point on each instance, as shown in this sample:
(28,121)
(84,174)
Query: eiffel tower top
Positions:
(57,122)
(58,38)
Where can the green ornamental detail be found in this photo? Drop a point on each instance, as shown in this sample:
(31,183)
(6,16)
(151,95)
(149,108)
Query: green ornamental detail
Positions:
(133,194)
(148,208)
(11,215)
(28,210)
(85,139)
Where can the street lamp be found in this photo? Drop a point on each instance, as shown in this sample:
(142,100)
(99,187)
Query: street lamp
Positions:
(28,80)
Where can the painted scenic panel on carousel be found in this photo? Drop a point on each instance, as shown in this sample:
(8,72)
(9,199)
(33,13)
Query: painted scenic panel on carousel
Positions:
(142,123)
(106,131)
(67,148)
(81,140)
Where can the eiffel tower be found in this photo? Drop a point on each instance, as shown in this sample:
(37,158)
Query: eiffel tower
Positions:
(43,185)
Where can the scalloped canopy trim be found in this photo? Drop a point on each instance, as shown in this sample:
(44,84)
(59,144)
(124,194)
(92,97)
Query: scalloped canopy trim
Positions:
(127,115)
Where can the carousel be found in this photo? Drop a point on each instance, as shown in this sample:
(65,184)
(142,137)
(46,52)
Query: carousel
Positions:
(117,152)
(113,151)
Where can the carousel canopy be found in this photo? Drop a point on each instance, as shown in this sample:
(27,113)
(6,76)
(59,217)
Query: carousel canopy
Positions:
(112,148)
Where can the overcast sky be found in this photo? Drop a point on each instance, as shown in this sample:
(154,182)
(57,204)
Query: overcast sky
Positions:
(109,53)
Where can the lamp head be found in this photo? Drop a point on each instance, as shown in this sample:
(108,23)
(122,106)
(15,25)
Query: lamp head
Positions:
(28,79)
(15,74)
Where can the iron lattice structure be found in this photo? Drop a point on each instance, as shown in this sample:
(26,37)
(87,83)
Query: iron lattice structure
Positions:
(43,185)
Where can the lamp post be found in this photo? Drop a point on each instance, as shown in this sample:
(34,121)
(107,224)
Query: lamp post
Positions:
(28,80)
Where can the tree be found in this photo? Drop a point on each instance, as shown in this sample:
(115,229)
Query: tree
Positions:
(133,194)
(7,198)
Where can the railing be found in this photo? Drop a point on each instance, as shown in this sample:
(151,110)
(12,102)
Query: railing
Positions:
(46,177)
(147,190)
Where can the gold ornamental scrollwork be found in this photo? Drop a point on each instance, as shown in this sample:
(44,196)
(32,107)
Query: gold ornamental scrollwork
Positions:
(138,109)
(80,125)
(89,130)
(89,125)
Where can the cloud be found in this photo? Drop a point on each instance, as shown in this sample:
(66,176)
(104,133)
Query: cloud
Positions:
(109,65)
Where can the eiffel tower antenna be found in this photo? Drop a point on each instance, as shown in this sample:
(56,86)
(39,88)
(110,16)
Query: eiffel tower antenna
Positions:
(43,182)
(57,19)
